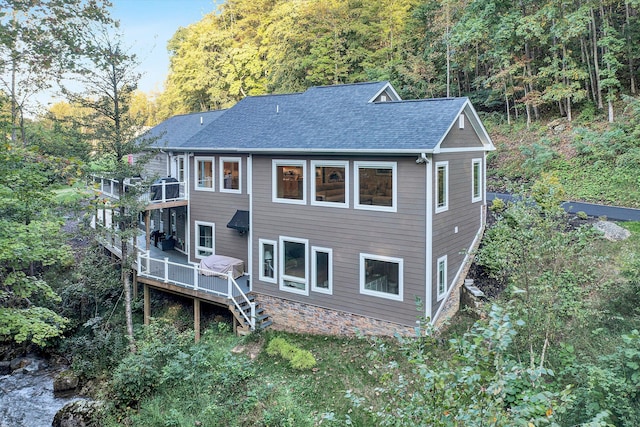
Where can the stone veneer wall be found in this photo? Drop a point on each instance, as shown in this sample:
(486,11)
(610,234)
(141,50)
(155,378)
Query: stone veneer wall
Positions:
(305,318)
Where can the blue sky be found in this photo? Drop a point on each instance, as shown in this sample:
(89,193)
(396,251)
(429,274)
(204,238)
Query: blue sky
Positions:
(147,26)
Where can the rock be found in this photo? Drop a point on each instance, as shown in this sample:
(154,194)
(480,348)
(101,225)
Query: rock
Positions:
(20,363)
(5,368)
(65,381)
(612,231)
(80,413)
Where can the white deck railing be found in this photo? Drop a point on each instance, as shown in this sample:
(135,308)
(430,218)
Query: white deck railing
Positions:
(191,276)
(158,193)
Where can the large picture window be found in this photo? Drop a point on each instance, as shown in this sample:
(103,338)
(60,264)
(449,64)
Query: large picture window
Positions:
(442,186)
(230,174)
(330,186)
(204,173)
(288,181)
(441,280)
(322,270)
(476,180)
(205,239)
(293,265)
(376,186)
(381,276)
(268,257)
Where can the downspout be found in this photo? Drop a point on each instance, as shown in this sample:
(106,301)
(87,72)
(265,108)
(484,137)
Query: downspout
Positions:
(428,237)
(250,237)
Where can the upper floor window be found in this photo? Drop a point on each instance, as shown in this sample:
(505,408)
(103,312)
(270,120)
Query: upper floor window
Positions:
(180,169)
(381,276)
(442,186)
(476,180)
(205,239)
(230,174)
(288,181)
(376,186)
(204,173)
(330,187)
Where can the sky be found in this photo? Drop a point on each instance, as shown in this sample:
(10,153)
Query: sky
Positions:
(147,26)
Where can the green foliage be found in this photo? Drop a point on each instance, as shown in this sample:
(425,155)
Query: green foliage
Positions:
(298,359)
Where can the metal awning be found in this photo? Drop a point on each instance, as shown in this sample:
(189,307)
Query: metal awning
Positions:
(240,221)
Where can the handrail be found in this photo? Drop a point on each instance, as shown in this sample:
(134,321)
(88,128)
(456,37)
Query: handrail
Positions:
(158,193)
(194,274)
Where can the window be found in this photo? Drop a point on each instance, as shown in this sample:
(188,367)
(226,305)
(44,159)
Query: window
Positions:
(268,257)
(376,186)
(230,174)
(442,186)
(330,187)
(461,121)
(205,241)
(288,181)
(293,265)
(322,270)
(180,169)
(476,180)
(441,282)
(204,173)
(381,276)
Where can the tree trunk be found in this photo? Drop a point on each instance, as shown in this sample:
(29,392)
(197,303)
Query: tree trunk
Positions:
(596,66)
(632,74)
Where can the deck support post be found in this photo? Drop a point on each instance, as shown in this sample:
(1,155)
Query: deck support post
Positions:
(135,284)
(147,222)
(147,305)
(196,318)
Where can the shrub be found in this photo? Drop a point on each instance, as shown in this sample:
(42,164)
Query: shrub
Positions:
(298,359)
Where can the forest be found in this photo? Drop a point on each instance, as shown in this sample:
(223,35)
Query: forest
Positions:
(554,82)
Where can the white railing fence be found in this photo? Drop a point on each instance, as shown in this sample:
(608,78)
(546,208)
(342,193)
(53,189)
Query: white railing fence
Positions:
(191,276)
(157,193)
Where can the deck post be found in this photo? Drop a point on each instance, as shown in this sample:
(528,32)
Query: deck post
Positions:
(166,270)
(147,222)
(195,276)
(196,318)
(229,286)
(147,305)
(135,284)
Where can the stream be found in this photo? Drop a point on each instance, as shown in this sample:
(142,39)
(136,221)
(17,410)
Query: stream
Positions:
(26,397)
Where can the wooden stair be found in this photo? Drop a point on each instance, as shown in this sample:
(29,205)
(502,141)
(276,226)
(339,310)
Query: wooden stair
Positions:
(240,324)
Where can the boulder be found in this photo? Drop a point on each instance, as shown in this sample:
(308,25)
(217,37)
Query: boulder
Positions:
(65,382)
(79,413)
(20,363)
(5,368)
(612,231)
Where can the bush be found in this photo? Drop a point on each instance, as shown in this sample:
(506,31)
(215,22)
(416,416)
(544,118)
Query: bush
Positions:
(298,359)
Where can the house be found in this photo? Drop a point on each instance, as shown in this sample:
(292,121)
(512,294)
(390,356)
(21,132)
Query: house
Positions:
(349,207)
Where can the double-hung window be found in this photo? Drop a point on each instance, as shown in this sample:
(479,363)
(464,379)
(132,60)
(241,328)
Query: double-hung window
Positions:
(294,269)
(330,183)
(376,186)
(442,186)
(204,174)
(230,174)
(288,181)
(441,279)
(476,180)
(381,276)
(205,239)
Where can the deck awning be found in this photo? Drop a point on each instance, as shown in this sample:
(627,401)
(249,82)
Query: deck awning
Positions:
(240,221)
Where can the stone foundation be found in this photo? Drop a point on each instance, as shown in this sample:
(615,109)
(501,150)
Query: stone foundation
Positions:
(293,316)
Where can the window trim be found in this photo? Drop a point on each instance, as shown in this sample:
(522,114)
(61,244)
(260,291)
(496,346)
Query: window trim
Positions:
(221,174)
(347,183)
(197,246)
(314,270)
(394,185)
(262,277)
(476,163)
(282,276)
(196,171)
(399,261)
(461,121)
(274,181)
(442,260)
(445,206)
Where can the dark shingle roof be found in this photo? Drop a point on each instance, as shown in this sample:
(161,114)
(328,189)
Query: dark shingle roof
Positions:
(329,119)
(177,130)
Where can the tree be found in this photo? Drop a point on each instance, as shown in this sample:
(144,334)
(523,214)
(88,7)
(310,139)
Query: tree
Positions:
(36,41)
(109,80)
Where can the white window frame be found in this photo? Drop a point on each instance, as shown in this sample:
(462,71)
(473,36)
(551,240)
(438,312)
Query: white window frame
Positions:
(196,173)
(274,180)
(461,121)
(394,186)
(330,163)
(198,248)
(441,283)
(221,174)
(181,167)
(261,243)
(445,206)
(476,163)
(399,261)
(283,277)
(314,270)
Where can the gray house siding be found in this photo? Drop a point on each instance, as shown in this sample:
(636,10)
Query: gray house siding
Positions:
(218,208)
(462,138)
(349,232)
(156,167)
